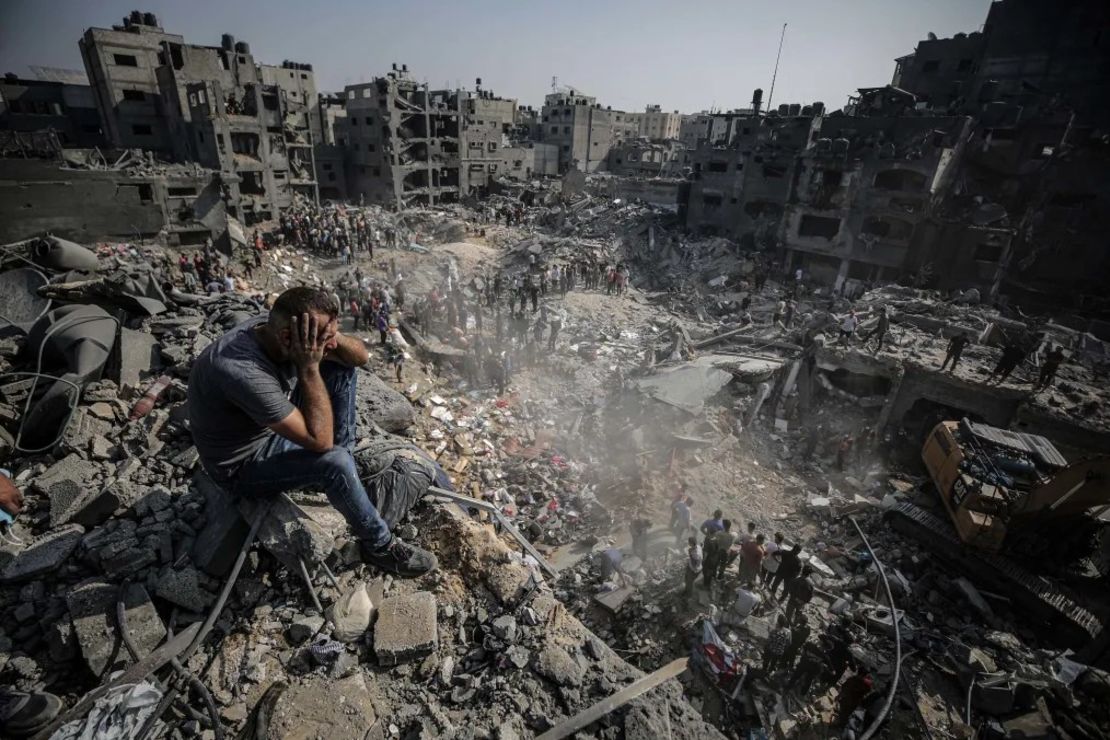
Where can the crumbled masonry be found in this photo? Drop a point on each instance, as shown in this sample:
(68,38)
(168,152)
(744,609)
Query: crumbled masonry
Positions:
(784,421)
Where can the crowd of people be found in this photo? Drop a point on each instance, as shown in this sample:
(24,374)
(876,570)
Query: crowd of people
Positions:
(336,232)
(746,573)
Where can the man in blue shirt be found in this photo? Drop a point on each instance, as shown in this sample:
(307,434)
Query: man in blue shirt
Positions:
(713,525)
(680,518)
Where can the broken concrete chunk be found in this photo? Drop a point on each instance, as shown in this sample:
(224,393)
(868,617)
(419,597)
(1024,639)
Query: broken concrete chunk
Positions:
(92,506)
(182,587)
(303,627)
(295,530)
(387,408)
(556,664)
(43,555)
(85,430)
(92,607)
(136,356)
(406,628)
(319,707)
(64,484)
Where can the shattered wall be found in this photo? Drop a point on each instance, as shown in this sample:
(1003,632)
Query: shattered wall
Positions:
(862,190)
(88,205)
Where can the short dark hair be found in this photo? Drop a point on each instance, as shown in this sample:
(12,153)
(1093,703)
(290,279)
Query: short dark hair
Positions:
(727,524)
(717,514)
(301,300)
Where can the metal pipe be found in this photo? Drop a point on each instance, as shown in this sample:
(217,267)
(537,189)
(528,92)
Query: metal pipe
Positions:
(893,689)
(213,714)
(311,589)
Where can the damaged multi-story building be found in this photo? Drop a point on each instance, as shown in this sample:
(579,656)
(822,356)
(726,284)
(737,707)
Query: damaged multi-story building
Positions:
(405,141)
(215,105)
(408,144)
(583,130)
(862,190)
(60,101)
(1035,81)
(741,168)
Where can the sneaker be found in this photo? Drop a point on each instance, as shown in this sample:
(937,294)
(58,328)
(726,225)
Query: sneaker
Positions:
(22,715)
(401,559)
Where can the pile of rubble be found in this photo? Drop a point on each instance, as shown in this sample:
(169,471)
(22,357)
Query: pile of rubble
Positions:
(124,544)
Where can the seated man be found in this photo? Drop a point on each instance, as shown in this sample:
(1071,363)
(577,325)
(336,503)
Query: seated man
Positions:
(255,439)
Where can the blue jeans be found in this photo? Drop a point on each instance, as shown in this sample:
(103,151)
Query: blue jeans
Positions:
(282,465)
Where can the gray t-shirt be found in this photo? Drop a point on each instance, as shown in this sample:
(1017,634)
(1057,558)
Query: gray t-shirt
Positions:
(235,392)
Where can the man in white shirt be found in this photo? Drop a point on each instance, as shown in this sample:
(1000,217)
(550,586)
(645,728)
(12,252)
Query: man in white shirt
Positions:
(742,607)
(771,561)
(848,326)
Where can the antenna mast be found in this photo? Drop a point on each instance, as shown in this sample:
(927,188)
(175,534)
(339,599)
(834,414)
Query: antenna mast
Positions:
(771,96)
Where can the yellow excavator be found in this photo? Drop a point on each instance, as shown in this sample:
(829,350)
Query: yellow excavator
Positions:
(1021,516)
(1005,489)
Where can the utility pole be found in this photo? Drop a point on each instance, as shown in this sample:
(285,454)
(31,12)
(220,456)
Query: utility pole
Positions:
(771,96)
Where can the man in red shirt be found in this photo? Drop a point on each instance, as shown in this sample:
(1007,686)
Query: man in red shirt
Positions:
(751,558)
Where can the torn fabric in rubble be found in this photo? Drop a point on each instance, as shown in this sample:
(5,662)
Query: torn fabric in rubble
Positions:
(117,715)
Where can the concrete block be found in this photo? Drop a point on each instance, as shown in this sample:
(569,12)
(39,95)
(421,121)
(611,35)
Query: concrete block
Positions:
(407,628)
(303,528)
(83,430)
(91,507)
(218,543)
(92,607)
(64,483)
(136,358)
(128,562)
(182,587)
(158,498)
(43,555)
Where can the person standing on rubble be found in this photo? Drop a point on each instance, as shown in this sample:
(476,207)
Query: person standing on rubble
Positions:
(639,528)
(955,348)
(694,561)
(848,326)
(879,332)
(780,311)
(395,356)
(555,317)
(799,592)
(255,440)
(1012,356)
(777,644)
(843,450)
(751,559)
(533,293)
(713,524)
(790,565)
(771,560)
(680,518)
(723,541)
(1051,364)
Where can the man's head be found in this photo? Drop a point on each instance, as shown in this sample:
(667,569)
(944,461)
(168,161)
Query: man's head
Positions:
(751,527)
(718,514)
(727,525)
(759,539)
(293,304)
(779,538)
(692,541)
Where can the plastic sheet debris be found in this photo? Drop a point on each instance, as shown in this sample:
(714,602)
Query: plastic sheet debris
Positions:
(117,715)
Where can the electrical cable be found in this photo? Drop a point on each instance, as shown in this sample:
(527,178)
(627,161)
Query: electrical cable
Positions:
(893,689)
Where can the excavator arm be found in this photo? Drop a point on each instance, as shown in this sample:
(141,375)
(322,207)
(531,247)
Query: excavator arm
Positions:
(1071,491)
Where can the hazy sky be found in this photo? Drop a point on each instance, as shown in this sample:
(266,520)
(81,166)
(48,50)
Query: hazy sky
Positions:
(683,55)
